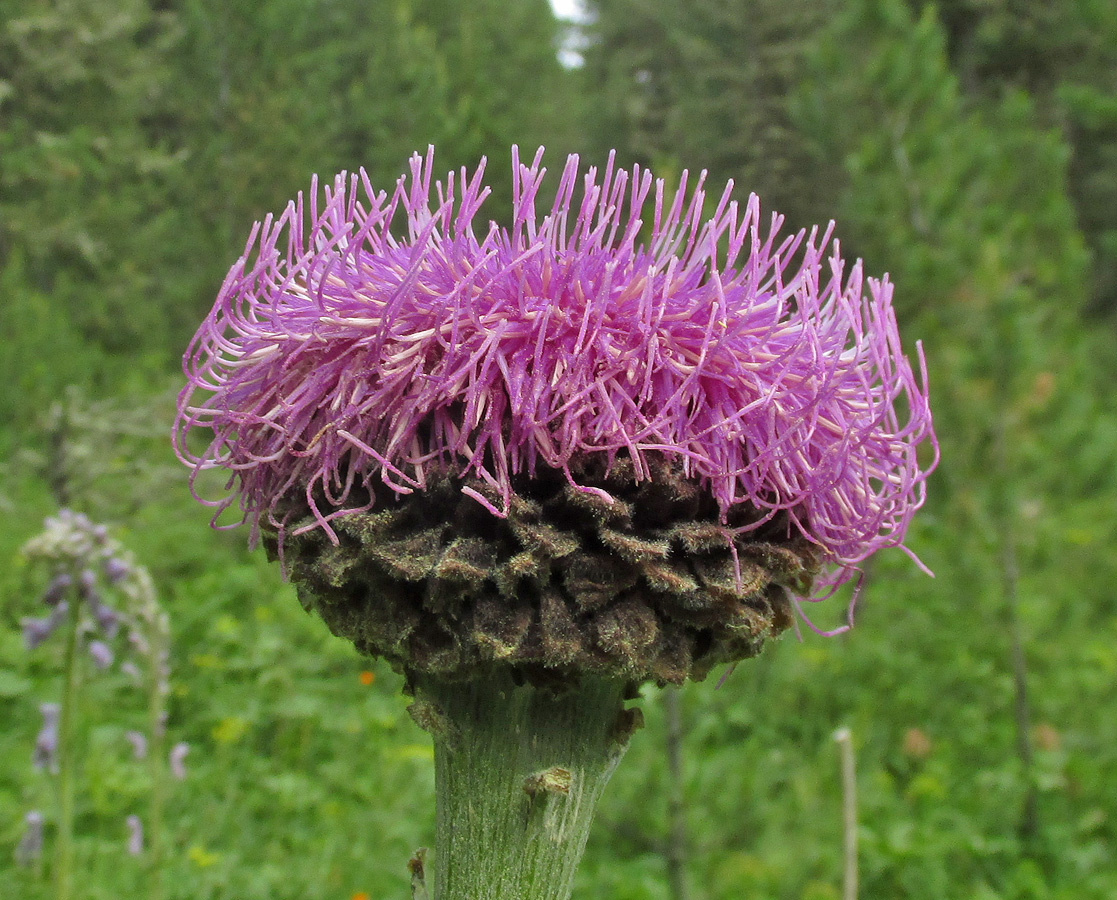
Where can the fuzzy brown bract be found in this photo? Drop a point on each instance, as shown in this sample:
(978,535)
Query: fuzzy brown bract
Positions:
(650,587)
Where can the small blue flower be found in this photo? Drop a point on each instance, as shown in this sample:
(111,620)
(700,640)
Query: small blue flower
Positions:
(45,754)
(87,584)
(35,631)
(108,620)
(57,588)
(116,570)
(101,654)
(178,759)
(135,835)
(31,844)
(138,742)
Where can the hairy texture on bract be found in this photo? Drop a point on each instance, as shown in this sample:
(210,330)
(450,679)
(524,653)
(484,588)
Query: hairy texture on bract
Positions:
(649,587)
(338,356)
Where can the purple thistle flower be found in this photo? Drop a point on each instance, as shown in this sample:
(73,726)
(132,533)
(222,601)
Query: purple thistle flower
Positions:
(177,759)
(45,754)
(135,835)
(338,355)
(31,844)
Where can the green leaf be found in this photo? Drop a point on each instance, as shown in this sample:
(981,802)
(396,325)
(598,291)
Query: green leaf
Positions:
(13,685)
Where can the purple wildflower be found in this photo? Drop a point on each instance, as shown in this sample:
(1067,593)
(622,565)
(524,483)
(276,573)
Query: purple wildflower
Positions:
(338,355)
(177,759)
(116,570)
(87,584)
(30,845)
(35,631)
(138,642)
(135,835)
(101,654)
(138,742)
(45,754)
(107,618)
(57,589)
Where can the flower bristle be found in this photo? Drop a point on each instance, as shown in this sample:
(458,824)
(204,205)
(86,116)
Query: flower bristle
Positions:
(339,354)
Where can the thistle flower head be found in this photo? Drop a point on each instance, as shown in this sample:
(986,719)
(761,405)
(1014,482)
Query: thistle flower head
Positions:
(659,421)
(623,321)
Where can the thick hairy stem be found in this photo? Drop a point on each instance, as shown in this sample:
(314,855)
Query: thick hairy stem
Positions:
(518,773)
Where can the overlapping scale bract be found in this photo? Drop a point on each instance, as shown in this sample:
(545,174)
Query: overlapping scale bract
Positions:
(650,586)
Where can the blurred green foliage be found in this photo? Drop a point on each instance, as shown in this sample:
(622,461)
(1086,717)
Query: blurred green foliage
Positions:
(706,85)
(966,147)
(1064,55)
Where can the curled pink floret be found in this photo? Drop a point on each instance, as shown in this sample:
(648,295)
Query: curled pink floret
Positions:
(372,337)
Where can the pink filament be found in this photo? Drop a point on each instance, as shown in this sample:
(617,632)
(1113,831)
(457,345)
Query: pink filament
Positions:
(349,355)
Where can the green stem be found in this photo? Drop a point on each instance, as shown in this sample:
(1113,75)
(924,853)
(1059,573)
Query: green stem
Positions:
(849,813)
(157,760)
(64,845)
(518,773)
(676,799)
